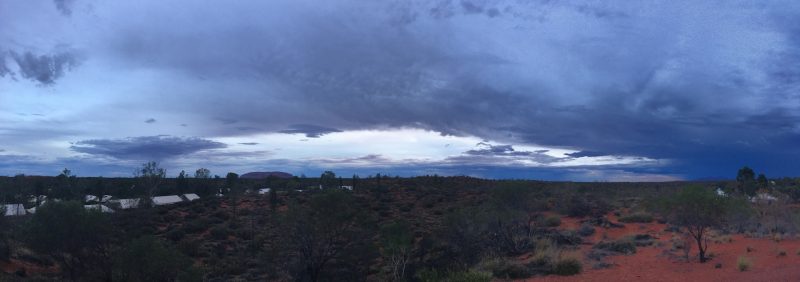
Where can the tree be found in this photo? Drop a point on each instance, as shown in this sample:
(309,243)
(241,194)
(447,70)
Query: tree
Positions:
(78,239)
(231,179)
(746,180)
(321,232)
(5,247)
(202,173)
(273,199)
(698,210)
(181,183)
(762,181)
(327,179)
(150,176)
(397,242)
(147,259)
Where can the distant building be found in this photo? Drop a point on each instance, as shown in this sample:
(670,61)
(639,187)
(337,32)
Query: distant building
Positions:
(721,193)
(346,187)
(126,203)
(102,208)
(763,198)
(263,191)
(15,210)
(191,197)
(166,200)
(90,198)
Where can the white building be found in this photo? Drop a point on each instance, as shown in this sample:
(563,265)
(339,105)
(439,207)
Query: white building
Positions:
(102,208)
(191,197)
(90,198)
(15,209)
(126,203)
(346,187)
(166,200)
(263,191)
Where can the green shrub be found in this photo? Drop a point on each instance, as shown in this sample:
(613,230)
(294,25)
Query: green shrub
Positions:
(567,266)
(219,233)
(623,246)
(433,275)
(586,230)
(175,235)
(552,221)
(503,269)
(638,217)
(744,263)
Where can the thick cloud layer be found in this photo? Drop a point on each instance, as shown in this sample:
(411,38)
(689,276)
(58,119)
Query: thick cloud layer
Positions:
(705,86)
(145,148)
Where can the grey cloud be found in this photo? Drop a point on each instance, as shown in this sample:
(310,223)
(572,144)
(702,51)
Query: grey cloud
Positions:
(249,143)
(310,131)
(64,6)
(150,120)
(582,154)
(45,69)
(145,147)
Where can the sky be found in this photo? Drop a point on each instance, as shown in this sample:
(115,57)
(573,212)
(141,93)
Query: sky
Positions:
(550,90)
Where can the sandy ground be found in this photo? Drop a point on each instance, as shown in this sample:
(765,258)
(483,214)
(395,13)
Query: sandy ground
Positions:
(654,264)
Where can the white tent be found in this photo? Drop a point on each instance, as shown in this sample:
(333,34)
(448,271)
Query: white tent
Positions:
(346,187)
(263,191)
(102,208)
(15,209)
(126,203)
(191,197)
(90,198)
(105,198)
(166,200)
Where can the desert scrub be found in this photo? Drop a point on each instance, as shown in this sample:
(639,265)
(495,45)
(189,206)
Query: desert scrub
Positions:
(433,275)
(744,263)
(503,269)
(552,221)
(781,253)
(567,265)
(586,229)
(624,246)
(637,217)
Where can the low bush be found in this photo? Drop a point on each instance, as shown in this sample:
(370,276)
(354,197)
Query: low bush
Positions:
(638,217)
(175,234)
(744,263)
(567,266)
(219,233)
(622,246)
(552,221)
(586,230)
(503,269)
(433,275)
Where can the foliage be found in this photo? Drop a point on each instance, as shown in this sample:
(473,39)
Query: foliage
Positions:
(147,259)
(586,229)
(638,217)
(746,181)
(321,232)
(743,263)
(622,246)
(567,265)
(75,237)
(432,275)
(397,242)
(698,210)
(552,221)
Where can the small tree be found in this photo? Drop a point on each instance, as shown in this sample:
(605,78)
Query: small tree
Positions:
(698,210)
(181,183)
(321,232)
(73,236)
(746,181)
(147,259)
(397,242)
(150,176)
(273,199)
(327,179)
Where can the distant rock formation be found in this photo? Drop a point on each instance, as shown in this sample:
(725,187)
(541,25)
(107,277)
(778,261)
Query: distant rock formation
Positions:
(265,174)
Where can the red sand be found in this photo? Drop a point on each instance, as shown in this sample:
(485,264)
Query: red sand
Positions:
(650,263)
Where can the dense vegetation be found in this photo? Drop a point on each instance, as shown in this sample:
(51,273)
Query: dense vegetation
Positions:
(386,229)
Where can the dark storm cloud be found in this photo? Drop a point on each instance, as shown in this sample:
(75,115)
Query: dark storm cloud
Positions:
(582,154)
(45,69)
(693,82)
(64,6)
(145,147)
(311,131)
